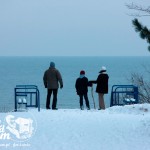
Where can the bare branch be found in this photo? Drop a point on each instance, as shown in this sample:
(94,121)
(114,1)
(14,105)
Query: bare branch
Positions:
(138,15)
(140,10)
(146,68)
(143,86)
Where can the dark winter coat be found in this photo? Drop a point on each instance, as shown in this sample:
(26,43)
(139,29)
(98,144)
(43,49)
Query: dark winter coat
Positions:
(102,83)
(81,85)
(51,78)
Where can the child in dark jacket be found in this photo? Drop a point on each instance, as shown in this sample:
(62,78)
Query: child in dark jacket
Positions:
(82,89)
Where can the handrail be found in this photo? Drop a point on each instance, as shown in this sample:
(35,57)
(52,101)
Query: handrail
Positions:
(33,90)
(122,89)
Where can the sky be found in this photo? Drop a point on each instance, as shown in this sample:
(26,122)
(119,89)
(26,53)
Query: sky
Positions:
(69,28)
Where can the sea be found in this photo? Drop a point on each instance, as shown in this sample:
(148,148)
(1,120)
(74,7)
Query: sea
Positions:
(30,70)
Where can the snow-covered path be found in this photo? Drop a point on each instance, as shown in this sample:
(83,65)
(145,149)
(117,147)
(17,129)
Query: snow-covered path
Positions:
(116,128)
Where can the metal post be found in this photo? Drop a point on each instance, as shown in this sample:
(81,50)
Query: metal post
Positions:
(15,100)
(38,100)
(136,94)
(30,98)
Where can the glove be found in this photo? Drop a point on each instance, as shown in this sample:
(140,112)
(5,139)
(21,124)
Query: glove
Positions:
(90,84)
(61,86)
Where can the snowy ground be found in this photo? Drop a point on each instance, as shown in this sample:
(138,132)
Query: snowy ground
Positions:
(116,128)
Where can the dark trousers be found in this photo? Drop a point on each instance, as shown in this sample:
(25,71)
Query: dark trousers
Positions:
(86,100)
(49,93)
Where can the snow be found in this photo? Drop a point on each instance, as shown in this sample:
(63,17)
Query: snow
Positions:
(116,128)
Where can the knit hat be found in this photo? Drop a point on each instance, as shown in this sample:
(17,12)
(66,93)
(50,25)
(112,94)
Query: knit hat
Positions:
(103,69)
(52,64)
(82,72)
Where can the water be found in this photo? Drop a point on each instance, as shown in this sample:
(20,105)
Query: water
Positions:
(30,70)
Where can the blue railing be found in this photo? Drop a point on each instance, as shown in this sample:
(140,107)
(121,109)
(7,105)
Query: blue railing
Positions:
(28,92)
(124,94)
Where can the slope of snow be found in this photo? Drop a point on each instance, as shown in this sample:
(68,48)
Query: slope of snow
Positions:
(116,128)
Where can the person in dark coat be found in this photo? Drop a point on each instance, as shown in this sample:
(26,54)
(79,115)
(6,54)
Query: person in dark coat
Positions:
(81,86)
(51,79)
(102,86)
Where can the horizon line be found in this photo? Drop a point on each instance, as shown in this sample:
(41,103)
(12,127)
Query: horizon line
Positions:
(75,56)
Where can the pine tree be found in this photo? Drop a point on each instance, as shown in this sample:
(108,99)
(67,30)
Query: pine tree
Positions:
(143,31)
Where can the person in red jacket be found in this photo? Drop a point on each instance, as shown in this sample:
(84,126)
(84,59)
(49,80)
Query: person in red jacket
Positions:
(81,86)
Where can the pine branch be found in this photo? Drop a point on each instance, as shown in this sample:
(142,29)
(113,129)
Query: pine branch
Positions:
(149,48)
(142,11)
(143,31)
(137,25)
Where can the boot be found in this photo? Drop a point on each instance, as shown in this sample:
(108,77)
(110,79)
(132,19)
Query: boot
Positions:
(88,108)
(81,107)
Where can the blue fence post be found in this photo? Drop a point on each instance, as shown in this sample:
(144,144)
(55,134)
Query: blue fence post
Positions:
(136,94)
(15,100)
(38,100)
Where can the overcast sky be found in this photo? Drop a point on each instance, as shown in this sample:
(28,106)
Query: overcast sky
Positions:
(69,28)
